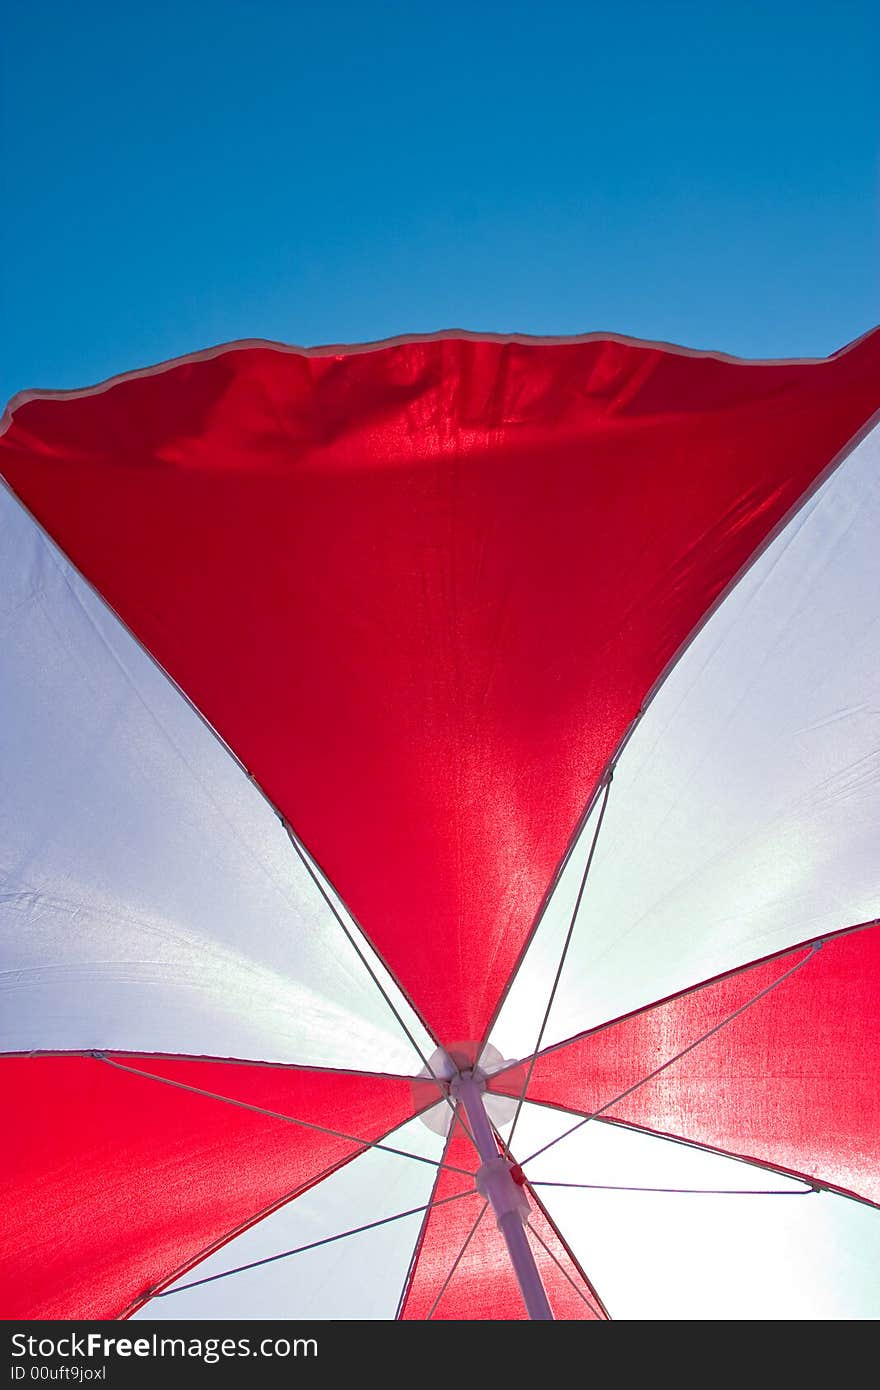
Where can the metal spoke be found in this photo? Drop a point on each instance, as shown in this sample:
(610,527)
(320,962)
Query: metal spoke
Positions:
(683,1053)
(362,957)
(313,1245)
(277,1115)
(448,1280)
(685,1191)
(574,913)
(561,1267)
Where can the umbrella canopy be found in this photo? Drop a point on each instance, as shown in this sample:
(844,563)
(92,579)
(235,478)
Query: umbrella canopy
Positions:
(450,731)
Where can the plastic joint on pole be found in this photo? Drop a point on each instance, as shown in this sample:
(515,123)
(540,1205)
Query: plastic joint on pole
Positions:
(496,1177)
(508,1200)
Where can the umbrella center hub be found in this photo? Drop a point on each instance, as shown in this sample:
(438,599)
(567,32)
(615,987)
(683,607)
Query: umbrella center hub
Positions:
(438,1082)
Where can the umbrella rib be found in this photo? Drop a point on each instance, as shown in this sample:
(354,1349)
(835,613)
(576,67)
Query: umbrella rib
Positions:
(764,1165)
(807,1191)
(574,913)
(313,1245)
(421,1235)
(276,1114)
(561,1267)
(307,865)
(457,1261)
(751,1161)
(417,1248)
(214,1246)
(615,1100)
(721,978)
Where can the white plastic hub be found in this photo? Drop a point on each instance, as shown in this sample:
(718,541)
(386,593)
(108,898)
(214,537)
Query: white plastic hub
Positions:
(444,1066)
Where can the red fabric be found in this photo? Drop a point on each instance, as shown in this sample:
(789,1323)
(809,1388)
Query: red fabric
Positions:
(484,1285)
(423,590)
(792,1082)
(113,1184)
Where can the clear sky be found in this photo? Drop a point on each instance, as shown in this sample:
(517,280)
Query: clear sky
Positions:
(187,173)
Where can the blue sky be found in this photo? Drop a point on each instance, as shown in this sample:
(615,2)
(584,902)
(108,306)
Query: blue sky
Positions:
(184,174)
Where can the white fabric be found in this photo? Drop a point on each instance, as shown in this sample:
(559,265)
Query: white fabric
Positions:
(744,815)
(359,1277)
(657,1256)
(149,898)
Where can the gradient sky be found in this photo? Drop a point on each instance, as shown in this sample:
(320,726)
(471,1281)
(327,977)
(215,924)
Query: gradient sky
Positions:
(184,174)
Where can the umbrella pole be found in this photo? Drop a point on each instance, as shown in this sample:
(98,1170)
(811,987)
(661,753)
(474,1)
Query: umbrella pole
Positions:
(508,1200)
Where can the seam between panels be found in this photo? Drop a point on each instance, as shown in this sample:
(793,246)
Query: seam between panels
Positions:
(148,1294)
(22,398)
(560,967)
(810,943)
(307,860)
(816,1183)
(608,770)
(600,1306)
(119,663)
(120,1054)
(553,1226)
(270,1114)
(457,1261)
(296,841)
(605,778)
(420,1238)
(615,1100)
(309,1246)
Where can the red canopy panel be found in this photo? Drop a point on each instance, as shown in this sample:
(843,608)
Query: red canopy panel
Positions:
(115,1184)
(483,1284)
(423,590)
(792,1082)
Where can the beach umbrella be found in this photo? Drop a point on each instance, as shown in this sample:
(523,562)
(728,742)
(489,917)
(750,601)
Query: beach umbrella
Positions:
(438,834)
